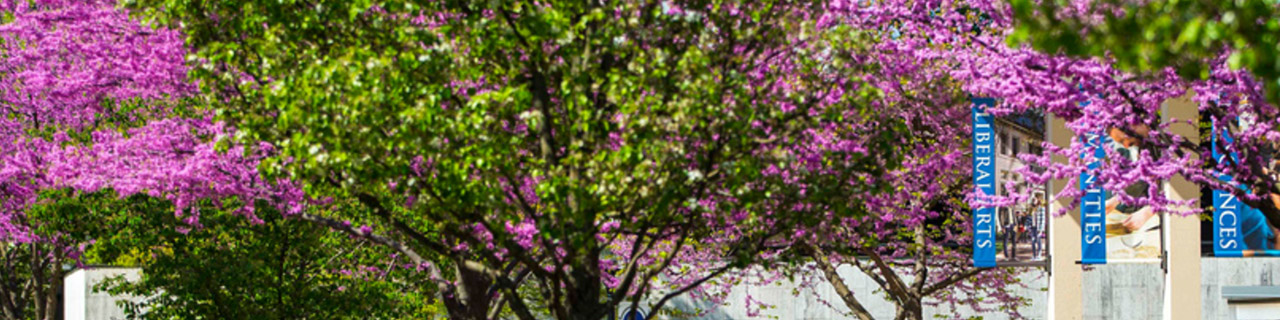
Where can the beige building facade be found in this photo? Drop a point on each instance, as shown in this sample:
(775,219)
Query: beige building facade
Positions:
(1019,136)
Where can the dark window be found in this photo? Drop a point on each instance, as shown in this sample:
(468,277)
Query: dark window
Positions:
(1004,144)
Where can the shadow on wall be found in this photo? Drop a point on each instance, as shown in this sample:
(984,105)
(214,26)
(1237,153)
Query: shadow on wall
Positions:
(810,305)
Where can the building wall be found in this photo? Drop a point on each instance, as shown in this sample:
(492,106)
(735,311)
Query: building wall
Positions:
(1134,291)
(1011,141)
(82,302)
(825,304)
(1124,291)
(1118,291)
(1224,272)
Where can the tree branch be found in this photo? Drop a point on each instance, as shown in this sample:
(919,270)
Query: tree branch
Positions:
(695,284)
(957,277)
(837,282)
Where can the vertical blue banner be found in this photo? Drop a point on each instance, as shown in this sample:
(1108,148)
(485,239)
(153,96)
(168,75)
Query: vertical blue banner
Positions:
(1227,240)
(1239,230)
(1093,206)
(984,182)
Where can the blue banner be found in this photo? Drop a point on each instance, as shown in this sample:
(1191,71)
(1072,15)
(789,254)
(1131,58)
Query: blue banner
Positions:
(1093,206)
(1226,208)
(984,182)
(1238,229)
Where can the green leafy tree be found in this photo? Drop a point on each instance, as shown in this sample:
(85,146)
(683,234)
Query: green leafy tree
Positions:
(540,158)
(230,267)
(1148,36)
(29,283)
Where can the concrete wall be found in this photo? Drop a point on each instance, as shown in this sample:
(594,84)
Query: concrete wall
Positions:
(1123,291)
(1225,272)
(1133,291)
(81,302)
(807,305)
(1118,291)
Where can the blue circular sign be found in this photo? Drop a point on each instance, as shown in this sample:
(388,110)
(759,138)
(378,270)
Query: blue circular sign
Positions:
(634,314)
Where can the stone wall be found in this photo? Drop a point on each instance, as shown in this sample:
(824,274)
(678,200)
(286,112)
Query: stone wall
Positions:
(1119,291)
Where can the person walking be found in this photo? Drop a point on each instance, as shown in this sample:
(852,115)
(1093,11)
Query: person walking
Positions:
(1033,230)
(1011,238)
(1006,233)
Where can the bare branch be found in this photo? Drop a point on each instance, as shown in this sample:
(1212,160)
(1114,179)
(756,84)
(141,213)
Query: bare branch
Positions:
(837,282)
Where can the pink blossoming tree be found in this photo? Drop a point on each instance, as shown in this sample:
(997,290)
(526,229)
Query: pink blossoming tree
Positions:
(93,100)
(559,159)
(913,241)
(1220,52)
(930,45)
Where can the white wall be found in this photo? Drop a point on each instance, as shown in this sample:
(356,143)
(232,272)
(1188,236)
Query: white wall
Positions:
(1118,291)
(81,302)
(809,306)
(1124,291)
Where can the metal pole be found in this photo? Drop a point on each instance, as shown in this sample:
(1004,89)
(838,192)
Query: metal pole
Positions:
(1129,261)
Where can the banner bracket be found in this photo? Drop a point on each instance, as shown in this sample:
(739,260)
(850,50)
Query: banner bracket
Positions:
(1048,264)
(1164,260)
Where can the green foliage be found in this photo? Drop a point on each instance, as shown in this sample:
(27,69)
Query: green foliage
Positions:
(232,268)
(18,274)
(1165,33)
(618,112)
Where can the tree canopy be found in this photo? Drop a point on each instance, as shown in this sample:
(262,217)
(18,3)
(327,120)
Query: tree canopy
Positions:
(1149,36)
(535,159)
(581,146)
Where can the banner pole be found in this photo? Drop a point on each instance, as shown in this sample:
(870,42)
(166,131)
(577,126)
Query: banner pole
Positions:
(1128,261)
(1181,238)
(1065,277)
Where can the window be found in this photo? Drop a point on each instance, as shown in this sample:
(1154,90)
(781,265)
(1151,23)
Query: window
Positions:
(1004,144)
(1016,144)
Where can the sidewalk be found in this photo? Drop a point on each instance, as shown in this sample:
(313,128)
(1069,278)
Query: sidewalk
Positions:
(1023,252)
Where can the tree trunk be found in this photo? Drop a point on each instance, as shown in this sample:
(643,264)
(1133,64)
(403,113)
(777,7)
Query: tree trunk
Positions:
(586,301)
(52,283)
(912,309)
(51,304)
(38,278)
(10,288)
(470,300)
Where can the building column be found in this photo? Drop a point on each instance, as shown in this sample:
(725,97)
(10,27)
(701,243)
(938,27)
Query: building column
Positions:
(1182,234)
(1065,276)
